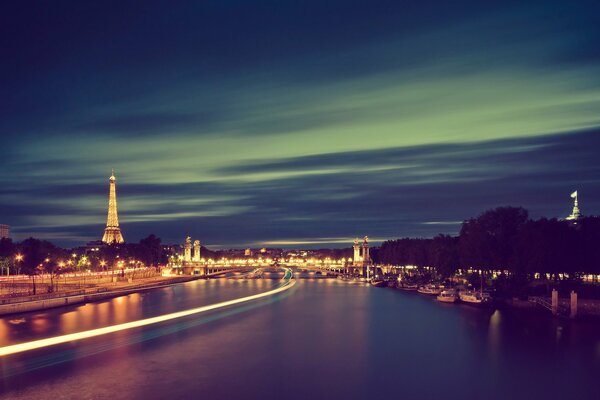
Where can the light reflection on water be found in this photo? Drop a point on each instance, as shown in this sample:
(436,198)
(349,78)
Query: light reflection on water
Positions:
(325,339)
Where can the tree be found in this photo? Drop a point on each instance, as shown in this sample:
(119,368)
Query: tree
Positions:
(444,254)
(588,237)
(150,251)
(7,248)
(547,246)
(35,252)
(488,241)
(6,264)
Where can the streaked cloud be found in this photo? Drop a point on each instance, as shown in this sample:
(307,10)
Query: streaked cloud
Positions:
(279,128)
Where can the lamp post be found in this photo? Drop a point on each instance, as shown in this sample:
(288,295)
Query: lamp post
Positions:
(61,266)
(19,258)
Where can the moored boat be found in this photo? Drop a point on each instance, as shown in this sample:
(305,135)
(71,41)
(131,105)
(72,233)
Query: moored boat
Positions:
(448,296)
(408,286)
(430,289)
(378,282)
(475,297)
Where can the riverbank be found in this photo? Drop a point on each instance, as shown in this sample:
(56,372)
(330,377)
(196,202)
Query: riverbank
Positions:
(584,307)
(52,300)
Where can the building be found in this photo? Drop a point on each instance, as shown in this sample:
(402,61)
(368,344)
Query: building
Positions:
(112,232)
(94,245)
(4,231)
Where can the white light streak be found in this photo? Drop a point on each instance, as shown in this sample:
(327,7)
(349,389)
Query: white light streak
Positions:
(38,344)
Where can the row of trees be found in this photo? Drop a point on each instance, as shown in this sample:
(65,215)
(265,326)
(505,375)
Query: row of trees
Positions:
(34,256)
(505,238)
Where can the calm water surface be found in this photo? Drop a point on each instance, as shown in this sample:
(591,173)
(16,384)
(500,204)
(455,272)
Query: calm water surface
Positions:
(322,339)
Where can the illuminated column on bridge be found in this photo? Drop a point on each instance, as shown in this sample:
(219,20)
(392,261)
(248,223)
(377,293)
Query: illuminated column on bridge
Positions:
(366,257)
(365,247)
(187,249)
(196,250)
(357,257)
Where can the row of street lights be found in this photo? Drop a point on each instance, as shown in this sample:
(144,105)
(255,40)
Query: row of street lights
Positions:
(84,261)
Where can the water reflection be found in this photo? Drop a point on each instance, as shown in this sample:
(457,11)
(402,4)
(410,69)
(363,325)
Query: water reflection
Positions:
(325,339)
(494,336)
(123,309)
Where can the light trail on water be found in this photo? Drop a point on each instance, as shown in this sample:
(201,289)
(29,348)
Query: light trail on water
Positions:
(41,343)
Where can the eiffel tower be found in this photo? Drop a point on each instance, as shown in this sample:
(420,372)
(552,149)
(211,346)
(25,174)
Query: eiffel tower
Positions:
(112,232)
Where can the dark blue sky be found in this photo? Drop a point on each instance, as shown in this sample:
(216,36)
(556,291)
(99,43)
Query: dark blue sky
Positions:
(294,123)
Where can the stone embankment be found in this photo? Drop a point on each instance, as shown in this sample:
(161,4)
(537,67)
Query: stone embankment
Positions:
(52,300)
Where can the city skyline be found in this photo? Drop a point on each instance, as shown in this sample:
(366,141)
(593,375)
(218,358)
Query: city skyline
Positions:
(401,128)
(324,199)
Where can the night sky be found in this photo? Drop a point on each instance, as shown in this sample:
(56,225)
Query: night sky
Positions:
(294,123)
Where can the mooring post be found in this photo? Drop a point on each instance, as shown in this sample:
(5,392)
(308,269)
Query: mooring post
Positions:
(554,301)
(573,304)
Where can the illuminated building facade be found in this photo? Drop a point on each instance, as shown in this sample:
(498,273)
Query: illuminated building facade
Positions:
(112,232)
(4,231)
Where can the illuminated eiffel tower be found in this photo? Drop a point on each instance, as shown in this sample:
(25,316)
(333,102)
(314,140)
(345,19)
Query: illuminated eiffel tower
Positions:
(112,232)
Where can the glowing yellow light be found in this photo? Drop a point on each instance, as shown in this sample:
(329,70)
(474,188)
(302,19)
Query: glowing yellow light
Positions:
(19,257)
(37,344)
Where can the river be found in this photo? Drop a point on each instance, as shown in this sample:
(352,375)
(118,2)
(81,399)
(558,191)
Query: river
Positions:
(322,339)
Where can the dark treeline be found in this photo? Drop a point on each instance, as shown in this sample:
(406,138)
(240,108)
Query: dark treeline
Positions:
(34,256)
(505,239)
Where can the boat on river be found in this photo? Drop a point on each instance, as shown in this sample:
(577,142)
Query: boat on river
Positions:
(411,287)
(448,296)
(475,297)
(430,289)
(378,282)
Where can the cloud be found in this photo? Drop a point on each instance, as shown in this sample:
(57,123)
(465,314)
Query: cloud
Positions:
(432,188)
(279,122)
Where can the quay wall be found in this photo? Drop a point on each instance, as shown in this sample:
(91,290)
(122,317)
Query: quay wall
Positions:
(62,301)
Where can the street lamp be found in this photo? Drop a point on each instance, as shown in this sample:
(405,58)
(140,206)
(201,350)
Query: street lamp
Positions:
(18,258)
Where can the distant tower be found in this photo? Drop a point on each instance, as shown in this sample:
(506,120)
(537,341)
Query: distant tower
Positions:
(112,232)
(575,214)
(187,249)
(196,250)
